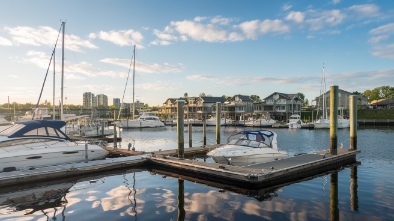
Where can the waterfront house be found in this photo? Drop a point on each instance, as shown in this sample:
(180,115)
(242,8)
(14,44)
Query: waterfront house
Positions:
(279,106)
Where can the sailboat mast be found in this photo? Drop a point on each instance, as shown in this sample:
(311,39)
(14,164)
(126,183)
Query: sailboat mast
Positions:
(324,94)
(133,83)
(54,65)
(62,86)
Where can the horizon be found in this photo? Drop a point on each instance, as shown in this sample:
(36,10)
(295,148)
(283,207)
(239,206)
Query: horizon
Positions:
(194,47)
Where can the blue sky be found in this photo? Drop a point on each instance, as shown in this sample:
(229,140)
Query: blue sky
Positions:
(217,47)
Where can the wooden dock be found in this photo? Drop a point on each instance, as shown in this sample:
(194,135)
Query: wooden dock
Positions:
(188,152)
(259,175)
(253,176)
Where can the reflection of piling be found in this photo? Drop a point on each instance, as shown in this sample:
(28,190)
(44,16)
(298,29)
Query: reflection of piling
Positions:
(86,153)
(180,128)
(190,134)
(204,133)
(353,122)
(353,189)
(218,110)
(333,119)
(115,137)
(181,200)
(334,211)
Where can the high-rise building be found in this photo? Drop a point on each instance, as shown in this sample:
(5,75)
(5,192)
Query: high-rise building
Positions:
(116,102)
(88,100)
(102,100)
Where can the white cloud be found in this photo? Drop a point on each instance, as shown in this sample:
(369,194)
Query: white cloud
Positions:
(377,39)
(45,35)
(336,1)
(367,10)
(318,19)
(146,68)
(297,17)
(252,29)
(384,29)
(217,29)
(122,37)
(5,42)
(158,86)
(286,7)
(384,51)
(13,76)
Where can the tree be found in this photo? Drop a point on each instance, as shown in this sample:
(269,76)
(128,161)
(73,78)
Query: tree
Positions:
(255,98)
(185,95)
(356,92)
(202,94)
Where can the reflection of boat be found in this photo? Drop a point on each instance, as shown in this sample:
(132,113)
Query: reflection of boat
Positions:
(248,147)
(41,143)
(143,121)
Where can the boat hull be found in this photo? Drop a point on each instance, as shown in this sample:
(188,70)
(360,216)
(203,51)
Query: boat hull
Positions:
(21,157)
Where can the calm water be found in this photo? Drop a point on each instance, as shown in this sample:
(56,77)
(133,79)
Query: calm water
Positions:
(140,194)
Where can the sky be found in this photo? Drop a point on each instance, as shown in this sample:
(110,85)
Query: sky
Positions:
(216,47)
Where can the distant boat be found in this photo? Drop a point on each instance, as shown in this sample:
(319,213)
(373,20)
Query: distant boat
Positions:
(248,147)
(4,122)
(223,121)
(38,143)
(260,122)
(147,120)
(295,121)
(40,113)
(324,121)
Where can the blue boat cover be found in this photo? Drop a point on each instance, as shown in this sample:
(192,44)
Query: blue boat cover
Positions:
(47,128)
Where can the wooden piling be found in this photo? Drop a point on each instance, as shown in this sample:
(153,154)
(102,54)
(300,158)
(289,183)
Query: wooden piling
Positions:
(180,128)
(190,134)
(218,114)
(353,122)
(333,119)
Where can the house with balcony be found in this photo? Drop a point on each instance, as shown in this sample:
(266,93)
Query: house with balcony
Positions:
(238,108)
(279,106)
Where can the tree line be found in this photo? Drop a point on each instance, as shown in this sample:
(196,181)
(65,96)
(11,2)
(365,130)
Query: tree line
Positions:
(382,92)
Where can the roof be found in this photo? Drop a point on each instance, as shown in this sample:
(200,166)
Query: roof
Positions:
(385,102)
(287,96)
(213,99)
(243,97)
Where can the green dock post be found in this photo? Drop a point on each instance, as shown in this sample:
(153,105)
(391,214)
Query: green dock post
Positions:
(218,110)
(353,122)
(333,119)
(180,128)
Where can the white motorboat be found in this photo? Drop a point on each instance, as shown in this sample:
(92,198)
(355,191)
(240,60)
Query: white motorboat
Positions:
(144,121)
(295,121)
(90,130)
(223,121)
(259,122)
(248,147)
(37,143)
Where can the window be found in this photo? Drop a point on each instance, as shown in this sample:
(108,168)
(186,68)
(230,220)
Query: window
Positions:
(37,132)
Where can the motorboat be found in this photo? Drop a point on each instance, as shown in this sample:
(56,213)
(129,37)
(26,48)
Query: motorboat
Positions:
(295,121)
(259,122)
(146,120)
(223,121)
(248,147)
(93,129)
(324,123)
(37,143)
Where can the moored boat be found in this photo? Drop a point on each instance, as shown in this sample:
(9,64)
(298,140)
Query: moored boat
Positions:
(248,147)
(37,143)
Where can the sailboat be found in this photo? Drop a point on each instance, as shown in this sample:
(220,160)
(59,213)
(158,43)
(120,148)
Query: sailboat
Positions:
(324,121)
(144,121)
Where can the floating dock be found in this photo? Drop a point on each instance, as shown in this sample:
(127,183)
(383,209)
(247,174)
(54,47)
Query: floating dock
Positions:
(254,176)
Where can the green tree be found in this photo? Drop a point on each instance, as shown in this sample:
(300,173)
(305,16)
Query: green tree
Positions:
(255,98)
